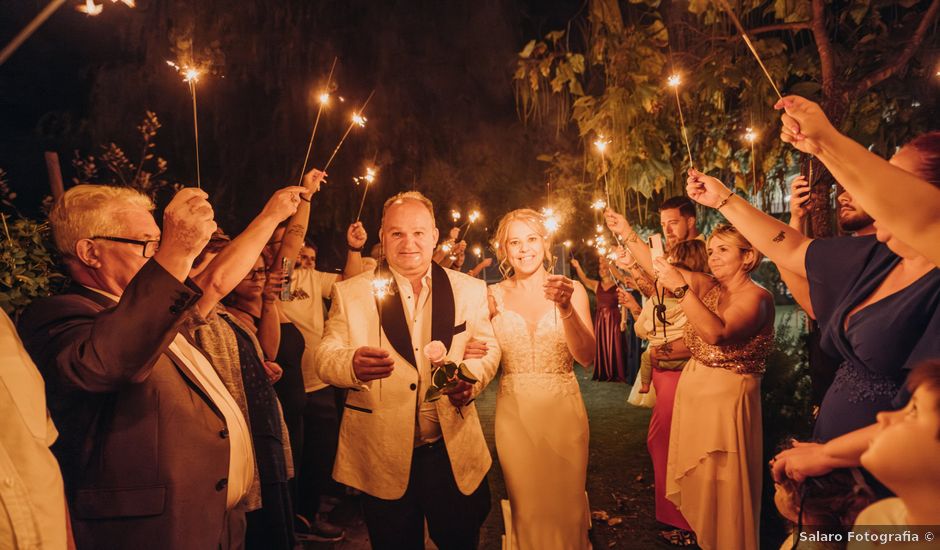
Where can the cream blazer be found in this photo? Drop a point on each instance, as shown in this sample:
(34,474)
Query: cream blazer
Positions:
(376,436)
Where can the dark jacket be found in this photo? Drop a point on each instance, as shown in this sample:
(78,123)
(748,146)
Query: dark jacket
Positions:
(144,451)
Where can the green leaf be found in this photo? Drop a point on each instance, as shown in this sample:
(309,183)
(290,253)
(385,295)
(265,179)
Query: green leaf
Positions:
(464,374)
(527,50)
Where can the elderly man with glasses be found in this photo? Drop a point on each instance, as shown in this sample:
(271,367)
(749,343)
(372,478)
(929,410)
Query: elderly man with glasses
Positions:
(154,450)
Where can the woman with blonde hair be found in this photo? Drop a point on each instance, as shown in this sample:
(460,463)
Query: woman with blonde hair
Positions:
(715,441)
(543,325)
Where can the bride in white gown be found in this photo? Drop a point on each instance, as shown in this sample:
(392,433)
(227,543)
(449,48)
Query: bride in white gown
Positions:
(542,322)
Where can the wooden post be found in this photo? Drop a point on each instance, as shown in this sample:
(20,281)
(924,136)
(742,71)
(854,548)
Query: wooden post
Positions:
(55,174)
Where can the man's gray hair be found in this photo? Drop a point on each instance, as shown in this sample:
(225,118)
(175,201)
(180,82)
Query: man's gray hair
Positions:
(85,211)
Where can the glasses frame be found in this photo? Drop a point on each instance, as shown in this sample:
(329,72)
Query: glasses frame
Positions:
(142,244)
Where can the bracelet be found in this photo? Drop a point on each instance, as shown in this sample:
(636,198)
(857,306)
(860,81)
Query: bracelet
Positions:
(724,201)
(634,237)
(303,199)
(354,249)
(570,313)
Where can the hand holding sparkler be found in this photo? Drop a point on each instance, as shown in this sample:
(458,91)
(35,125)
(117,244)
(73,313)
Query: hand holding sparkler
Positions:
(372,364)
(356,237)
(618,224)
(706,190)
(805,125)
(559,289)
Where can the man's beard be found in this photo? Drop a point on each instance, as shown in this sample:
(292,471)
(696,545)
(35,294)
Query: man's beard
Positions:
(853,220)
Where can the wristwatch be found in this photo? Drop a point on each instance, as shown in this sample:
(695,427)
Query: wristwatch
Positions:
(679,292)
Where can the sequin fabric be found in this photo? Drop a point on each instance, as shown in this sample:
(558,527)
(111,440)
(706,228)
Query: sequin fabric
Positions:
(863,385)
(532,359)
(747,358)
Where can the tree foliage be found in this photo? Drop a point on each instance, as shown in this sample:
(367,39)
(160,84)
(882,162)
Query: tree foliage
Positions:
(869,63)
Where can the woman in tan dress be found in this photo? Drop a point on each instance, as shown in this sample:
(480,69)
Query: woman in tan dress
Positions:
(714,469)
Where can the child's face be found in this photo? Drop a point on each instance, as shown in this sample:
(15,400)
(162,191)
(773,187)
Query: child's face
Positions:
(786,505)
(904,451)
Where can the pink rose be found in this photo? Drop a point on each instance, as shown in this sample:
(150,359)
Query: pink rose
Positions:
(435,352)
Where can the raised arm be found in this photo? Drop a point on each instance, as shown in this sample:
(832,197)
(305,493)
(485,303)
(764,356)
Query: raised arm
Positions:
(629,238)
(906,204)
(588,283)
(293,239)
(745,316)
(228,269)
(356,237)
(798,285)
(778,241)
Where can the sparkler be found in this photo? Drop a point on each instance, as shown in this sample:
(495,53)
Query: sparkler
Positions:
(357,120)
(478,251)
(368,179)
(324,98)
(737,23)
(191,76)
(89,8)
(599,204)
(381,287)
(472,217)
(601,145)
(674,82)
(551,221)
(455,215)
(750,136)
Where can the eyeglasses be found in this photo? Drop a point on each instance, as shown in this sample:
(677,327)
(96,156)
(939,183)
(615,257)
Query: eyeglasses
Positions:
(255,274)
(150,247)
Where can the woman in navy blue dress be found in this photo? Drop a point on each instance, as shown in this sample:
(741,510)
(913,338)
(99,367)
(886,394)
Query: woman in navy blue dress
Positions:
(877,300)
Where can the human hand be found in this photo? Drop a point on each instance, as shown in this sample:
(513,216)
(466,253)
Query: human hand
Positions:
(273,370)
(575,263)
(644,388)
(475,349)
(273,284)
(453,234)
(486,262)
(356,235)
(312,181)
(616,222)
(460,393)
(624,298)
(559,289)
(372,364)
(187,224)
(283,203)
(669,277)
(461,247)
(802,461)
(705,190)
(799,197)
(805,125)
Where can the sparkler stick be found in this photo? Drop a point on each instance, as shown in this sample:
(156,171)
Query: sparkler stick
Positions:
(674,82)
(737,23)
(191,76)
(324,99)
(381,287)
(368,179)
(357,120)
(29,29)
(601,145)
(750,136)
(472,217)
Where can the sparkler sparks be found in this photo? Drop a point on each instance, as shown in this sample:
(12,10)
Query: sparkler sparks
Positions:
(601,144)
(191,76)
(369,179)
(674,81)
(551,221)
(599,204)
(567,244)
(381,287)
(477,251)
(357,120)
(750,136)
(474,216)
(455,215)
(89,8)
(324,100)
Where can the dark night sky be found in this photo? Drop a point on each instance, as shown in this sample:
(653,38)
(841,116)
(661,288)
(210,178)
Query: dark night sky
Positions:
(443,117)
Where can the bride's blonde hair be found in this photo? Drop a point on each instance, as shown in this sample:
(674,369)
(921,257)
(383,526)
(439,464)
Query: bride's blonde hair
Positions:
(536,222)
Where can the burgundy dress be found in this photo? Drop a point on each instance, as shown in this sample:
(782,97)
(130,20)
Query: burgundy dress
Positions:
(611,361)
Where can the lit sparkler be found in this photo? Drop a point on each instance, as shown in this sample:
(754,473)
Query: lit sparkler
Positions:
(191,76)
(381,288)
(367,179)
(356,120)
(324,99)
(599,204)
(455,215)
(89,8)
(750,136)
(551,221)
(674,81)
(601,145)
(478,251)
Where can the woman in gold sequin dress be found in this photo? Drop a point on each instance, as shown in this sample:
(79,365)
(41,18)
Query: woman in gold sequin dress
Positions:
(714,469)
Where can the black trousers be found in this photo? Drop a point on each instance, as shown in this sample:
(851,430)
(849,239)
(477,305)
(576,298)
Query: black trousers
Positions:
(454,519)
(321,437)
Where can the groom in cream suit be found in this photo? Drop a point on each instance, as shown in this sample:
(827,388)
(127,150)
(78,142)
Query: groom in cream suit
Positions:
(414,461)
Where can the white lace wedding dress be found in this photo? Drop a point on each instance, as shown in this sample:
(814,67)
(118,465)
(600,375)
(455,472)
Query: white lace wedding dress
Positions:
(541,434)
